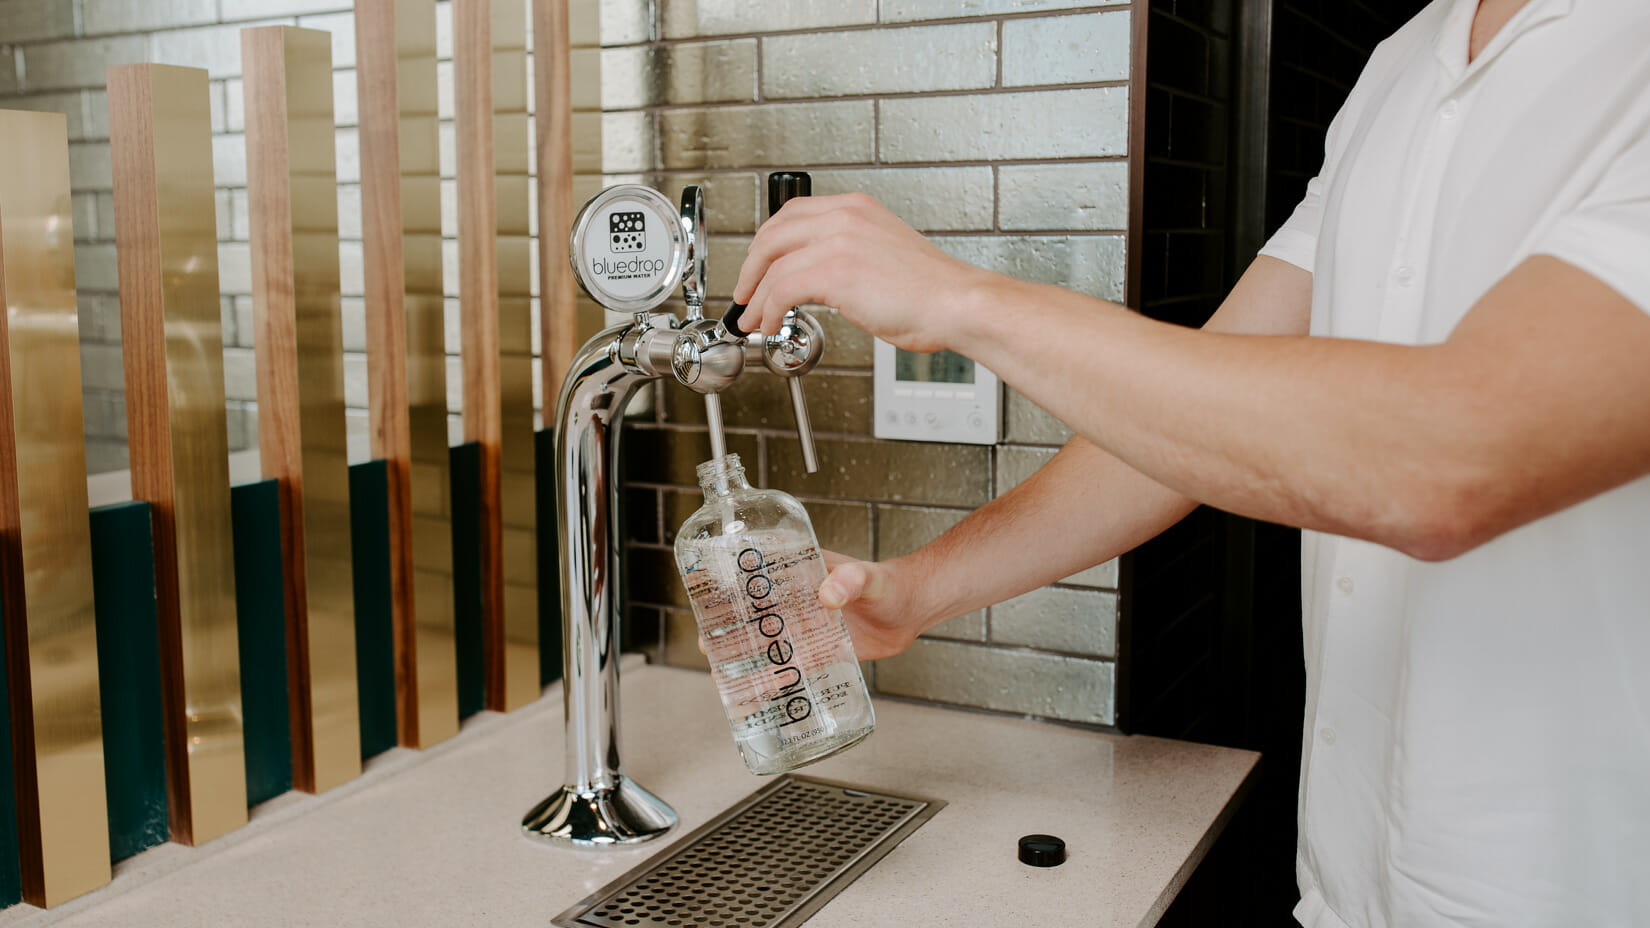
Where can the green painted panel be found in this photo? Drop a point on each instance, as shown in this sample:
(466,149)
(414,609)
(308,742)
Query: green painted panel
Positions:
(11,878)
(549,545)
(464,474)
(369,518)
(260,601)
(128,667)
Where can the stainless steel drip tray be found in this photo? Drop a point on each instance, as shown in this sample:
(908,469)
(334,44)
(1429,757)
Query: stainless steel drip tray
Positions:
(770,861)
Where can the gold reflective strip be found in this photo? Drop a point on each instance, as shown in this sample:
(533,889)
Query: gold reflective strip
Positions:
(406,359)
(45,535)
(293,200)
(166,236)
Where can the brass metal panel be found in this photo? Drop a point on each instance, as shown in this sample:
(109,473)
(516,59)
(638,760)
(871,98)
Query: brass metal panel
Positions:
(495,294)
(160,136)
(45,535)
(292,196)
(395,51)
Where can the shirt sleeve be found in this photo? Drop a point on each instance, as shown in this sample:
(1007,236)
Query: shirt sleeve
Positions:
(1297,240)
(1607,232)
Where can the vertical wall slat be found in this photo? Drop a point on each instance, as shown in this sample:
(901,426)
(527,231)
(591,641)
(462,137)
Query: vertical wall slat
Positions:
(553,124)
(406,364)
(293,205)
(495,292)
(160,140)
(45,534)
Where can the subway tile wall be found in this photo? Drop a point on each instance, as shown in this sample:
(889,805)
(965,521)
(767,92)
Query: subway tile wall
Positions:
(53,54)
(998,127)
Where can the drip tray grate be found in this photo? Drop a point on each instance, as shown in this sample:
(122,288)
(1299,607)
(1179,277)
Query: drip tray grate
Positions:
(770,861)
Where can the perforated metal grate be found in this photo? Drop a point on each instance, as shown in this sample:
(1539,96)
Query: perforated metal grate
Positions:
(770,861)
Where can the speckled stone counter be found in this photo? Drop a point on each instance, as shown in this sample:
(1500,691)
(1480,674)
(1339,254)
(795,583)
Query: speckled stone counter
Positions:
(430,837)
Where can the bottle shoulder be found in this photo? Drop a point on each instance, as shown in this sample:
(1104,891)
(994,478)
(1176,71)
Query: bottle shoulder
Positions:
(744,512)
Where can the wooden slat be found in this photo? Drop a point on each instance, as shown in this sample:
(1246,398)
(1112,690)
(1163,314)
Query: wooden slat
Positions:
(292,195)
(45,535)
(495,293)
(553,116)
(406,364)
(161,145)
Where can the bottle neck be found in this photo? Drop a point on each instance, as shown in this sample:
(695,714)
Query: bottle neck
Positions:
(721,479)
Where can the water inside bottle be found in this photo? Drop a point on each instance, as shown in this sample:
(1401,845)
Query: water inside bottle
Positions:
(783,663)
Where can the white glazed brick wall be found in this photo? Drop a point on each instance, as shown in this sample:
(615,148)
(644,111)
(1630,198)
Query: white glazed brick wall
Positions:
(999,128)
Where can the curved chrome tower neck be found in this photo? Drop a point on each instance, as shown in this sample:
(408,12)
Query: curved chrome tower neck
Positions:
(596,805)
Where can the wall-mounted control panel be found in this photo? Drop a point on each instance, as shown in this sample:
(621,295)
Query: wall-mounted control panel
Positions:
(935,397)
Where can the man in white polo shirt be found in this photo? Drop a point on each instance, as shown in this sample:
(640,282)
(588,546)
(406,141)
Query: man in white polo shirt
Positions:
(1466,444)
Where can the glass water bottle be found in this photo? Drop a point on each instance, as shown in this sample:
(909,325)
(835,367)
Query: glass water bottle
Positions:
(784,664)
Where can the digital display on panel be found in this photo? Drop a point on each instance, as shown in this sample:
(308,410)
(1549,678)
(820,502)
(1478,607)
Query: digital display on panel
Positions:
(939,367)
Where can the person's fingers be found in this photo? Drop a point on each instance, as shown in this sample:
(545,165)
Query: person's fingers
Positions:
(772,242)
(797,223)
(790,281)
(855,580)
(834,560)
(843,586)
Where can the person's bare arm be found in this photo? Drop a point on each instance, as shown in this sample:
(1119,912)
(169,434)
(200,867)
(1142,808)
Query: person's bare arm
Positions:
(1539,399)
(1083,507)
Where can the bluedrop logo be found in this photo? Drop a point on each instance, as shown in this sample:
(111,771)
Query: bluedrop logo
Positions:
(627,232)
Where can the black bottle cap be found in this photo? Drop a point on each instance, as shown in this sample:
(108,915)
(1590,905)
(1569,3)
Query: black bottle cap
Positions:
(1042,851)
(783,186)
(730,320)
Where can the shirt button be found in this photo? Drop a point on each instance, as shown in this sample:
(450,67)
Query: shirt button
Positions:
(1449,109)
(1345,583)
(1327,735)
(1404,275)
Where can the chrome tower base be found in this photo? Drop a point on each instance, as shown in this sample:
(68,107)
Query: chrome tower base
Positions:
(624,813)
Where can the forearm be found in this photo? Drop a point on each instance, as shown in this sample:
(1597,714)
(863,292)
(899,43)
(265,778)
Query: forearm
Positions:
(1093,503)
(1081,508)
(1428,449)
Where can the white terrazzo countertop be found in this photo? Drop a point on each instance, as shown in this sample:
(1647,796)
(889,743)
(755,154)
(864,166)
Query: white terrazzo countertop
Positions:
(431,837)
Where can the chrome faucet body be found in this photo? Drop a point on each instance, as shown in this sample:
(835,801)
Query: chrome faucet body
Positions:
(597,804)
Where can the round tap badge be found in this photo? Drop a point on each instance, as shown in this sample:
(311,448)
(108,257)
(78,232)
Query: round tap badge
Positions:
(628,249)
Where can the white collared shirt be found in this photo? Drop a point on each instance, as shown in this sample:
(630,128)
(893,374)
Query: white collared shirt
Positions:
(1477,743)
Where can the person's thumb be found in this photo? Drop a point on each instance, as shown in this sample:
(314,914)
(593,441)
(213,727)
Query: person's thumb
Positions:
(856,580)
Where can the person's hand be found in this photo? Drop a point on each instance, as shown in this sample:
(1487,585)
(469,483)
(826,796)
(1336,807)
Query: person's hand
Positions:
(849,252)
(874,603)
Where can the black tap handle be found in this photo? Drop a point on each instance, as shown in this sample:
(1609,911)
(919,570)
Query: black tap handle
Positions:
(730,320)
(783,186)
